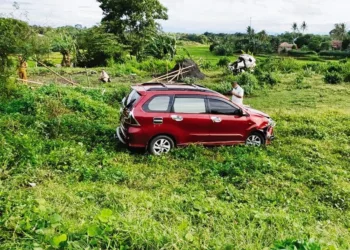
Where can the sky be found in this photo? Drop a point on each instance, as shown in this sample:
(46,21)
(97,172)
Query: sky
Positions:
(197,16)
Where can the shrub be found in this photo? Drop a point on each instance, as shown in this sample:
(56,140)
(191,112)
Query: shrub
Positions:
(223,50)
(335,68)
(206,65)
(248,82)
(298,53)
(296,244)
(316,67)
(333,77)
(347,77)
(223,62)
(337,54)
(270,78)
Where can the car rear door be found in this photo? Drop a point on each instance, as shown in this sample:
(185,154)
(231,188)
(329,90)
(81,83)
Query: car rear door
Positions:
(228,125)
(189,119)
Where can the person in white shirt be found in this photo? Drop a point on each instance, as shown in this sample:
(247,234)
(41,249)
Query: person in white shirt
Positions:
(237,93)
(104,77)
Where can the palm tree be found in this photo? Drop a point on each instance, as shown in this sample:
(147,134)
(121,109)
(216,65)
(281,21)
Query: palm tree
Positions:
(295,27)
(303,26)
(295,32)
(263,36)
(339,32)
(250,31)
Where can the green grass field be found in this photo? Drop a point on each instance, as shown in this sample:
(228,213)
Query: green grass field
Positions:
(92,193)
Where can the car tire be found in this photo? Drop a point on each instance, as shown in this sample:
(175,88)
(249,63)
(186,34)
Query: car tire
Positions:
(255,139)
(161,144)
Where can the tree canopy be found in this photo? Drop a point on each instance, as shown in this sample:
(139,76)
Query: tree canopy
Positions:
(14,39)
(133,21)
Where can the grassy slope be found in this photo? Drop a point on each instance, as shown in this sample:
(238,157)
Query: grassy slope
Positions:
(235,197)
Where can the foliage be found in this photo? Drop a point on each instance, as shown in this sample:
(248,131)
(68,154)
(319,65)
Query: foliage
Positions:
(248,82)
(339,32)
(14,35)
(223,62)
(133,21)
(297,53)
(291,244)
(97,47)
(333,77)
(65,43)
(336,54)
(161,46)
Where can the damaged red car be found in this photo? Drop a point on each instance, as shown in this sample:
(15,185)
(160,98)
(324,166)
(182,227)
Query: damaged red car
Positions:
(159,117)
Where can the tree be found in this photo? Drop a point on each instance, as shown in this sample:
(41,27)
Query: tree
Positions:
(133,21)
(64,43)
(339,32)
(263,36)
(303,26)
(295,28)
(162,46)
(96,47)
(14,39)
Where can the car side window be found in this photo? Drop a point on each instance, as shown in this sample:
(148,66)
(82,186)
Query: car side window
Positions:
(221,107)
(158,104)
(189,105)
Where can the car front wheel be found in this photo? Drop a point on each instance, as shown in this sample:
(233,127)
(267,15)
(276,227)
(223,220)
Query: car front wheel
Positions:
(255,139)
(161,145)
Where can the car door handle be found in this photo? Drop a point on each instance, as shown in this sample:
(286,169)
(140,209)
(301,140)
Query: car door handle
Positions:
(177,118)
(157,120)
(216,119)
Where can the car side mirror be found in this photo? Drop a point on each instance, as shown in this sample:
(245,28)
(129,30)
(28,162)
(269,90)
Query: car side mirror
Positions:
(240,112)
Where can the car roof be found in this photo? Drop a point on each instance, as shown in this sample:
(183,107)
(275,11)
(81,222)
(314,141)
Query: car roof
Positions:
(178,88)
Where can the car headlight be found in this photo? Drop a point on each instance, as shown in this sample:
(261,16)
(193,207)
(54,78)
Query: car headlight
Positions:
(272,123)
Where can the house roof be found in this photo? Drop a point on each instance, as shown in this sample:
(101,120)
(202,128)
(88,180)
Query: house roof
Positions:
(286,45)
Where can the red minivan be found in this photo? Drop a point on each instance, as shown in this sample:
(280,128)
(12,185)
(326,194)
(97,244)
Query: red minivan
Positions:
(161,116)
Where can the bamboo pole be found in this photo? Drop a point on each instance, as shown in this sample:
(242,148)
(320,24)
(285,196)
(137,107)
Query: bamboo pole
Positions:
(170,74)
(71,82)
(28,81)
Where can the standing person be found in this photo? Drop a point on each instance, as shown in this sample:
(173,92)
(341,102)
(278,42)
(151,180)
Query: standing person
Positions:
(237,93)
(104,77)
(22,69)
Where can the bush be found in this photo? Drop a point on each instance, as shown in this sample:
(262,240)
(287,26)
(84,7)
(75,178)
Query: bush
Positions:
(333,78)
(298,53)
(223,62)
(316,67)
(337,54)
(347,77)
(223,50)
(248,82)
(270,78)
(335,68)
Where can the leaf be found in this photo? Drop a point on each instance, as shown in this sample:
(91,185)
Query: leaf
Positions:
(57,240)
(93,231)
(55,218)
(189,237)
(105,215)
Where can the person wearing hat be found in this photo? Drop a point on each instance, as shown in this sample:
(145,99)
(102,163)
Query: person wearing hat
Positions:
(104,77)
(237,93)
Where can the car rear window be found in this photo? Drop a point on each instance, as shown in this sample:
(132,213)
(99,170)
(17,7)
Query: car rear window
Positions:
(131,99)
(189,105)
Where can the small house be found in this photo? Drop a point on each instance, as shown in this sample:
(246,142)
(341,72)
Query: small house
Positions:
(285,47)
(336,44)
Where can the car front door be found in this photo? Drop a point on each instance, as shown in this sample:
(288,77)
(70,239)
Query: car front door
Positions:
(229,126)
(190,119)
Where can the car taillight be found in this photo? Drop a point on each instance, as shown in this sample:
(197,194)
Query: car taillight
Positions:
(131,119)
